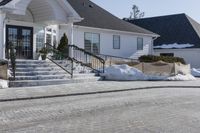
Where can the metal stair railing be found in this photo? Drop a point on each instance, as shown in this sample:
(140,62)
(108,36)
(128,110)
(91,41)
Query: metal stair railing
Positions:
(59,58)
(87,59)
(110,59)
(12,56)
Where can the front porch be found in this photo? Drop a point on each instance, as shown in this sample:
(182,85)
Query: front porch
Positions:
(28,24)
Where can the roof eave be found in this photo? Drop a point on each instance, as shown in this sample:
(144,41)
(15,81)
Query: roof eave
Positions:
(128,32)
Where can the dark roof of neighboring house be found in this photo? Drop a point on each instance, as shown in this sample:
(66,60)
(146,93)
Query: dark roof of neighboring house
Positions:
(97,17)
(4,2)
(178,28)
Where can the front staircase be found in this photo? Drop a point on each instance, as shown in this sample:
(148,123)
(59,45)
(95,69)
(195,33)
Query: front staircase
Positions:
(42,73)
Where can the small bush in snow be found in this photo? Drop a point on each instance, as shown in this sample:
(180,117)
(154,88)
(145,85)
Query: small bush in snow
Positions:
(168,59)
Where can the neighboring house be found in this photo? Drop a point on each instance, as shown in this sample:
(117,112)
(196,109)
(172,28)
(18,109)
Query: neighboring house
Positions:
(179,36)
(31,23)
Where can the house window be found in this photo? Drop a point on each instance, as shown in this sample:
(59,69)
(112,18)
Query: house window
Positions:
(48,39)
(140,44)
(39,40)
(92,42)
(51,36)
(116,42)
(54,41)
(167,54)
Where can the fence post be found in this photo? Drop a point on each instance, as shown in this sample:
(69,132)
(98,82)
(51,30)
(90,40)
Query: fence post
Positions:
(143,67)
(72,69)
(110,61)
(175,69)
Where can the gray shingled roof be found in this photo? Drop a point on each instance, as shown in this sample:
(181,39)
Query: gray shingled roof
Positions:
(4,2)
(97,17)
(178,28)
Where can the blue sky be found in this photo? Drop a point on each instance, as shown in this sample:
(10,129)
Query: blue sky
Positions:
(122,8)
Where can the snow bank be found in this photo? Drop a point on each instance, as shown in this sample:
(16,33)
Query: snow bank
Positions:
(9,73)
(123,73)
(127,73)
(195,72)
(181,77)
(175,45)
(3,84)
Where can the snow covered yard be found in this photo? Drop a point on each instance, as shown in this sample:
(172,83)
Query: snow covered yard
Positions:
(127,73)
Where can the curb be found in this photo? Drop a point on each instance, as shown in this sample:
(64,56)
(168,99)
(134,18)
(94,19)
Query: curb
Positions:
(92,93)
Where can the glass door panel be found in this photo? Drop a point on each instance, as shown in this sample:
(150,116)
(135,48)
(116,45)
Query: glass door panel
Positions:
(22,39)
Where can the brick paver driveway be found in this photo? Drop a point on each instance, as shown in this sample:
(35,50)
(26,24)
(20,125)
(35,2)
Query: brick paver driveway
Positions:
(141,111)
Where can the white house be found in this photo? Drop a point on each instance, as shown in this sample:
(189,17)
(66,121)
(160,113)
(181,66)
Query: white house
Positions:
(179,36)
(31,23)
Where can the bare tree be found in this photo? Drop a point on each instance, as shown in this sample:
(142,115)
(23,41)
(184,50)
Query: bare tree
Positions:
(135,13)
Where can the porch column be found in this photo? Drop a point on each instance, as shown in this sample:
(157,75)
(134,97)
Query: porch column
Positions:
(2,35)
(71,39)
(72,33)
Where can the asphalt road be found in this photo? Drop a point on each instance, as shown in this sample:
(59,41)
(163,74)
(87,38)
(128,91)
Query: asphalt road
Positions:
(172,110)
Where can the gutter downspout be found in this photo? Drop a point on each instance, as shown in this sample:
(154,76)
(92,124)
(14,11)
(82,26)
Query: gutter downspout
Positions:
(152,44)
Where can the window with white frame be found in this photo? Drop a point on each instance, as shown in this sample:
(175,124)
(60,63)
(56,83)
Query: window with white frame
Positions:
(140,43)
(40,40)
(116,42)
(51,36)
(92,42)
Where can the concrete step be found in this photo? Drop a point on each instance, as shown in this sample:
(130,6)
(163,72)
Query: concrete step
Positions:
(29,83)
(34,65)
(41,77)
(32,61)
(32,73)
(30,69)
(61,75)
(40,73)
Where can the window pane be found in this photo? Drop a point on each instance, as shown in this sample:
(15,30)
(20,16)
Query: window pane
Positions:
(139,43)
(88,42)
(96,43)
(39,40)
(48,39)
(92,43)
(116,42)
(54,41)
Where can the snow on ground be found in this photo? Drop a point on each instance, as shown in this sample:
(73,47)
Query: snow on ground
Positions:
(9,73)
(181,77)
(195,72)
(123,72)
(3,84)
(175,45)
(127,73)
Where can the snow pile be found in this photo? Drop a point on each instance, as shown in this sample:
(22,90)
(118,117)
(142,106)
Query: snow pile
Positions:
(123,73)
(3,84)
(175,45)
(195,72)
(127,73)
(9,73)
(181,77)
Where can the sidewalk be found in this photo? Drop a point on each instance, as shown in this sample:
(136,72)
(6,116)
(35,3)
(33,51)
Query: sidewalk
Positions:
(12,94)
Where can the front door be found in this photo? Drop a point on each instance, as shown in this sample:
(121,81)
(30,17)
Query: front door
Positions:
(22,39)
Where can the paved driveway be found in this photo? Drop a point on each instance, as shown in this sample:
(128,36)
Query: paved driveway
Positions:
(172,110)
